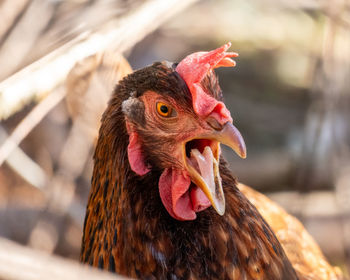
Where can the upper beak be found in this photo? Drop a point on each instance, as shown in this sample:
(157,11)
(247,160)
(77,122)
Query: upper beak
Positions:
(205,171)
(230,136)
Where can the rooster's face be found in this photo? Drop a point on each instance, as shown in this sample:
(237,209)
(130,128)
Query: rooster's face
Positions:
(179,130)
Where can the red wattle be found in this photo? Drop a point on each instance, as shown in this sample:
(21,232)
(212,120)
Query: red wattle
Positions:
(135,156)
(173,190)
(181,202)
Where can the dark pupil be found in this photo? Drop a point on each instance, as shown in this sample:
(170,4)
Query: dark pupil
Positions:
(164,109)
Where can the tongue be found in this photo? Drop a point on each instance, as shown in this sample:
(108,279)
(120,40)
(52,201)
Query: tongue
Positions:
(180,201)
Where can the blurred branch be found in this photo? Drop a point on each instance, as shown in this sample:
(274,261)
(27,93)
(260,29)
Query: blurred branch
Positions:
(9,11)
(78,80)
(24,165)
(26,32)
(29,122)
(301,4)
(44,75)
(21,263)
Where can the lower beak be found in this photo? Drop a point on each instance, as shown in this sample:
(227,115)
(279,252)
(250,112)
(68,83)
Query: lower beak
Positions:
(203,167)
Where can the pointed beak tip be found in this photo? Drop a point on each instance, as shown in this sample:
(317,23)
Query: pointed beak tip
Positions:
(219,208)
(221,213)
(231,137)
(243,153)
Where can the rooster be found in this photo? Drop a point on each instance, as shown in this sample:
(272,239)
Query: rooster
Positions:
(163,202)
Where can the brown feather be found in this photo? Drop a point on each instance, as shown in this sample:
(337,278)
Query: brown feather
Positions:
(303,252)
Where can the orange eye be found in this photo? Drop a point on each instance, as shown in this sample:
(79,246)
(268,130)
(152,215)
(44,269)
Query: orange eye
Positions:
(164,110)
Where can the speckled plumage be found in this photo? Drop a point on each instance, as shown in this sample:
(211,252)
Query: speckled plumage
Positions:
(127,229)
(302,251)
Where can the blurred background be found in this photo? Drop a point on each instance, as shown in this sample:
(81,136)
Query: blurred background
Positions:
(289,95)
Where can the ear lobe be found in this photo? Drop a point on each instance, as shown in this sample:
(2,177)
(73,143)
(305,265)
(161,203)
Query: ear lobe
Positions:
(136,158)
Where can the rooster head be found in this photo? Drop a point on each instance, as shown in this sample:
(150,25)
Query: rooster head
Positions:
(176,120)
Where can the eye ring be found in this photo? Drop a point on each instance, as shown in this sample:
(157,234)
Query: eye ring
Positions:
(164,110)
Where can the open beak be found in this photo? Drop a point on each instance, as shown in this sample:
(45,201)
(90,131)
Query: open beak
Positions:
(201,157)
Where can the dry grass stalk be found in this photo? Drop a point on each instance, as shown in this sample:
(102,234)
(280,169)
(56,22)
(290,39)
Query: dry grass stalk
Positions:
(41,77)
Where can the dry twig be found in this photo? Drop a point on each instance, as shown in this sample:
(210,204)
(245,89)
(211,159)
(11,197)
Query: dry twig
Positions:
(21,263)
(25,166)
(9,11)
(29,122)
(27,30)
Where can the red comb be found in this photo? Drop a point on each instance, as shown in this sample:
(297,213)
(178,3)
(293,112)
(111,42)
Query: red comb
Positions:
(194,68)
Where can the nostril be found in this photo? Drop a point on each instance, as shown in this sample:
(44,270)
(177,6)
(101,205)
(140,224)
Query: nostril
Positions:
(214,123)
(218,108)
(221,110)
(220,114)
